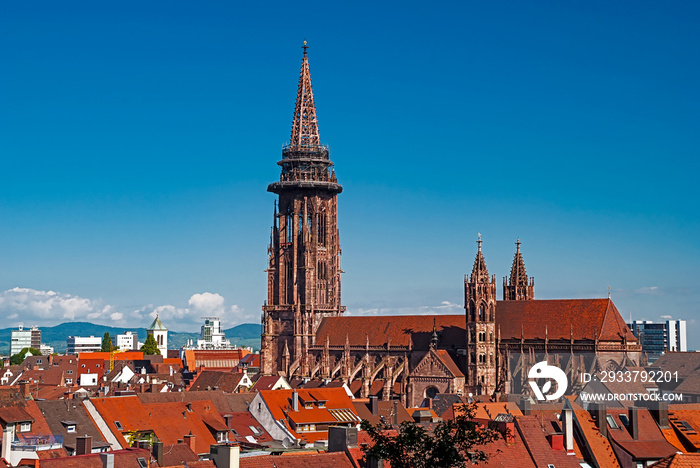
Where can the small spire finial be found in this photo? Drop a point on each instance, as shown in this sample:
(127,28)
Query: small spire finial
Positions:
(608,292)
(517,243)
(304,47)
(479,242)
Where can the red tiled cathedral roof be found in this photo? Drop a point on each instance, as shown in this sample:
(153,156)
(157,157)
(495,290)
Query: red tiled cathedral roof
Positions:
(558,319)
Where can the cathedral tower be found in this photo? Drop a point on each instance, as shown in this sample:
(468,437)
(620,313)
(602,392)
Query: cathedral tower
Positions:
(303,274)
(518,287)
(480,305)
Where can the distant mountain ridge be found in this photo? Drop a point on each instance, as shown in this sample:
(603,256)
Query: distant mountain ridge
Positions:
(246,334)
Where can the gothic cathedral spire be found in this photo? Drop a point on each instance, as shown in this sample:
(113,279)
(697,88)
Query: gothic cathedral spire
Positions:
(518,287)
(480,306)
(303,274)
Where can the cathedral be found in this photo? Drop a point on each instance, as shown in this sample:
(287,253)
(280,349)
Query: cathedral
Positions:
(485,351)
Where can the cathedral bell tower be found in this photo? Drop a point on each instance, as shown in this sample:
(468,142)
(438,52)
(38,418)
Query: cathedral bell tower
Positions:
(303,273)
(480,305)
(518,287)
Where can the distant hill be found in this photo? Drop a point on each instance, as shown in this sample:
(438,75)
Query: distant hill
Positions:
(247,334)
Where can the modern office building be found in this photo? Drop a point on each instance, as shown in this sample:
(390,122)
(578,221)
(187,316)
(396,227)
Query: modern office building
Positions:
(127,341)
(83,344)
(22,338)
(657,338)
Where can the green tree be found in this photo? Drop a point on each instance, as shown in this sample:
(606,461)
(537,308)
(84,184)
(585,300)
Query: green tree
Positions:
(107,343)
(452,443)
(150,346)
(17,359)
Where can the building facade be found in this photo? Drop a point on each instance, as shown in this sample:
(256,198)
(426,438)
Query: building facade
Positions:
(486,351)
(303,272)
(22,338)
(658,338)
(83,344)
(160,334)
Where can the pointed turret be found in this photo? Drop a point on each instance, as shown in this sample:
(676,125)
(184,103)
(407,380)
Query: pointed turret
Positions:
(480,306)
(518,287)
(305,125)
(480,274)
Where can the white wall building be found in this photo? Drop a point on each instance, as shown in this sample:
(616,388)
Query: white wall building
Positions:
(22,338)
(127,342)
(83,344)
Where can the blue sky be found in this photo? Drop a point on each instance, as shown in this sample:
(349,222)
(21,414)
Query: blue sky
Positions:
(137,141)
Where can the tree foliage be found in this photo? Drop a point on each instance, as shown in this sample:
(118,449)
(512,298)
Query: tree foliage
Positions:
(451,444)
(150,346)
(17,359)
(107,343)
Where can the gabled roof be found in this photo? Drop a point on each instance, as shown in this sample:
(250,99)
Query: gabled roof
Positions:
(14,414)
(557,319)
(55,412)
(269,382)
(386,412)
(169,421)
(176,454)
(209,380)
(298,460)
(650,444)
(224,402)
(679,460)
(598,446)
(127,458)
(538,446)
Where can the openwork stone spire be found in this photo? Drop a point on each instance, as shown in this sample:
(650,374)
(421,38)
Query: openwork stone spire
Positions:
(305,125)
(518,286)
(517,271)
(480,274)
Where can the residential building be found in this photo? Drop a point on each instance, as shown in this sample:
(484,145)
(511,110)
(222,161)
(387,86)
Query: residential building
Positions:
(22,338)
(83,344)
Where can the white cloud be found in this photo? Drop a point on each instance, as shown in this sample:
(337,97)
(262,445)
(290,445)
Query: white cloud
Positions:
(207,303)
(116,316)
(48,307)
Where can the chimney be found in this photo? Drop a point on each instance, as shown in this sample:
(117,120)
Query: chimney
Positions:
(189,440)
(226,455)
(599,414)
(526,407)
(567,423)
(6,442)
(633,415)
(83,445)
(295,400)
(341,438)
(374,405)
(25,389)
(107,460)
(556,441)
(158,452)
(659,409)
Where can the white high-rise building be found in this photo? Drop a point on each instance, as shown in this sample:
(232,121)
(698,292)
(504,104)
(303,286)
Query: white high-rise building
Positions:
(677,337)
(22,338)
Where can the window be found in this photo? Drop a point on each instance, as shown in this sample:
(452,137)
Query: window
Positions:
(38,361)
(222,436)
(119,425)
(625,421)
(25,427)
(70,428)
(142,462)
(611,422)
(69,371)
(312,427)
(69,381)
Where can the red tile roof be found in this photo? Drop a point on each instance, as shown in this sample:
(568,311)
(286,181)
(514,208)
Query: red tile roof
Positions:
(679,460)
(538,446)
(650,444)
(169,421)
(598,446)
(301,460)
(127,458)
(449,362)
(558,319)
